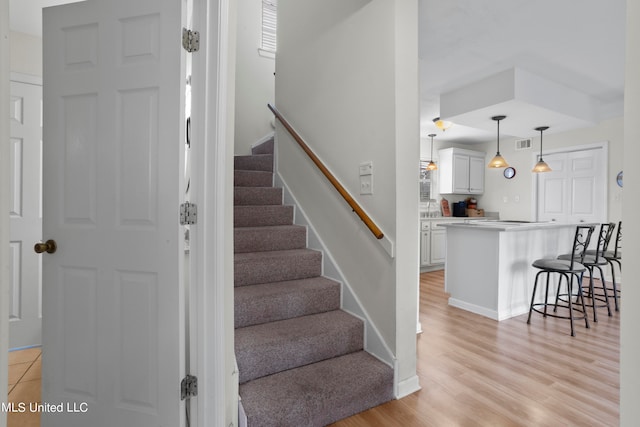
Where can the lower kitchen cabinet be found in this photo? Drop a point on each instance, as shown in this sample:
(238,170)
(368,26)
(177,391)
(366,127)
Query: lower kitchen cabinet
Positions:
(425,257)
(437,245)
(432,244)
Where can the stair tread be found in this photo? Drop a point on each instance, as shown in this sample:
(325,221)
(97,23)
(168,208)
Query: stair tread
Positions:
(269,238)
(257,196)
(260,162)
(254,216)
(273,347)
(268,302)
(318,394)
(252,178)
(272,266)
(274,254)
(265,147)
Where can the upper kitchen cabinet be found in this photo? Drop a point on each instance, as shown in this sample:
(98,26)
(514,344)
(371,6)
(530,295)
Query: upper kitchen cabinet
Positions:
(461,171)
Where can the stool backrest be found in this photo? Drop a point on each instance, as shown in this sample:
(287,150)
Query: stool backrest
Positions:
(606,231)
(616,251)
(607,237)
(581,243)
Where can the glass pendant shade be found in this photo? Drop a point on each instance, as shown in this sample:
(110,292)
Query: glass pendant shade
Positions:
(541,166)
(498,161)
(442,124)
(432,166)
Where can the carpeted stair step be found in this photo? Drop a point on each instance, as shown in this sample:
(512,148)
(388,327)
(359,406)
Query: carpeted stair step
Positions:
(252,196)
(275,238)
(258,216)
(318,394)
(264,148)
(274,347)
(270,302)
(257,162)
(242,178)
(276,266)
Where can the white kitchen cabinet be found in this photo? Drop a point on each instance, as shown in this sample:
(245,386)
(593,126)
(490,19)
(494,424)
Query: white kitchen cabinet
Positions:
(461,171)
(425,248)
(432,244)
(438,245)
(425,243)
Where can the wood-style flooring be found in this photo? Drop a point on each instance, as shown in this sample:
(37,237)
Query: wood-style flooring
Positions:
(24,386)
(475,371)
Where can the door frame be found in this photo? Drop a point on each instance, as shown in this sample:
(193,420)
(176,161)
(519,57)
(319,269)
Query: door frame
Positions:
(212,354)
(4,201)
(604,145)
(27,79)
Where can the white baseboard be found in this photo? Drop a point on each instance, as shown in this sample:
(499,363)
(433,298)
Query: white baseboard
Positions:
(407,387)
(491,314)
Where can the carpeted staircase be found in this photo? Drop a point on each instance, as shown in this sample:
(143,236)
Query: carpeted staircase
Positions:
(300,357)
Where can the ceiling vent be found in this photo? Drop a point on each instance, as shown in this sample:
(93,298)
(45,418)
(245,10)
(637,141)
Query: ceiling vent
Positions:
(523,144)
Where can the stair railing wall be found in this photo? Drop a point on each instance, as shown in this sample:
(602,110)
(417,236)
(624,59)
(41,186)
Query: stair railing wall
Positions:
(371,225)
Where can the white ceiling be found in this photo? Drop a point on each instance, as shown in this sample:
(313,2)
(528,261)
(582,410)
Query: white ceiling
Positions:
(26,15)
(579,45)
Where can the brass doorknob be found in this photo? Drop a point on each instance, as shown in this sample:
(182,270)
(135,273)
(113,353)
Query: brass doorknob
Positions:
(49,247)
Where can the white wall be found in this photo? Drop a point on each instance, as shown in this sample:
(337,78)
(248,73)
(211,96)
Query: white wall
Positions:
(521,186)
(255,80)
(4,203)
(26,53)
(629,343)
(338,84)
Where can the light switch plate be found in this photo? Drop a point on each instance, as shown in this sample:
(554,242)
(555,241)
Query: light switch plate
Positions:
(366,184)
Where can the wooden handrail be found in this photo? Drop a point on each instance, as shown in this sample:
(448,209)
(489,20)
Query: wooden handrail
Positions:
(332,179)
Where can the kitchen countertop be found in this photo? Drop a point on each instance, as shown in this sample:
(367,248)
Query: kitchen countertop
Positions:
(506,225)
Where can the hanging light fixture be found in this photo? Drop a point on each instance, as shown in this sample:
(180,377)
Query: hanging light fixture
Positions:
(541,166)
(442,124)
(432,166)
(498,161)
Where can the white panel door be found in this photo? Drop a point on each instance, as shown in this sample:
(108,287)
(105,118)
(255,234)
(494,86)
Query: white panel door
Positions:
(113,329)
(575,189)
(25,309)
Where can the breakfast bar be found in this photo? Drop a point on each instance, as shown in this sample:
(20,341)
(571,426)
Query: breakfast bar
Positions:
(488,263)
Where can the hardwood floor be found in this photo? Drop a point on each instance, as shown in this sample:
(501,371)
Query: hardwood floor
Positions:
(475,371)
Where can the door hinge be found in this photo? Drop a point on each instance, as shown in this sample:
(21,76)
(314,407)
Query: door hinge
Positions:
(190,40)
(189,387)
(188,213)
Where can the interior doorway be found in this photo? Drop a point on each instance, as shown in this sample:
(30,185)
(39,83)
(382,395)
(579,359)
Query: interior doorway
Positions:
(25,152)
(576,188)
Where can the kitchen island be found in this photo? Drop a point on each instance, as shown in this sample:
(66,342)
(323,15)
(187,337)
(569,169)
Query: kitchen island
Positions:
(488,263)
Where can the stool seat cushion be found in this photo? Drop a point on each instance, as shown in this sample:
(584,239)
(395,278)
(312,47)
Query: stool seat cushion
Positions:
(607,254)
(589,259)
(559,265)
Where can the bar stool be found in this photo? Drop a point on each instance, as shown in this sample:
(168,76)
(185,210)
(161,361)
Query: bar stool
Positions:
(569,269)
(592,260)
(615,256)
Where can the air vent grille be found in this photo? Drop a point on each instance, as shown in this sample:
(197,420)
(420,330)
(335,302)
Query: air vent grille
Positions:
(523,144)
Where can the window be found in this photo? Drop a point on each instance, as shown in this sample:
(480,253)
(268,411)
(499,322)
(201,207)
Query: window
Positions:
(269,24)
(426,178)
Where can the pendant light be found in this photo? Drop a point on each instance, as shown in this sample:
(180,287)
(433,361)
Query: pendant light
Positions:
(442,124)
(498,161)
(541,166)
(432,166)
